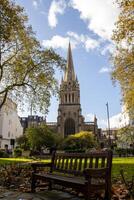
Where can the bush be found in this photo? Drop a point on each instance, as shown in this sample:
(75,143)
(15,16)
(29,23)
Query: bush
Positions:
(17,152)
(79,142)
(124,152)
(3,154)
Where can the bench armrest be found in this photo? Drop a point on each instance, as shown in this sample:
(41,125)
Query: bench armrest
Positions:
(36,165)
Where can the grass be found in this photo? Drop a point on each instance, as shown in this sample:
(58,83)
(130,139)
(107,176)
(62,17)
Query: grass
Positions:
(118,163)
(4,161)
(127,164)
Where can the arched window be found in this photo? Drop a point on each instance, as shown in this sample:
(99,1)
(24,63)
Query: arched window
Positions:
(69,127)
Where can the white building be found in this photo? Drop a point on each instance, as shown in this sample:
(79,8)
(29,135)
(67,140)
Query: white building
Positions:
(10,127)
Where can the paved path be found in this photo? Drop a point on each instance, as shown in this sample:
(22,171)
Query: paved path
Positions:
(45,195)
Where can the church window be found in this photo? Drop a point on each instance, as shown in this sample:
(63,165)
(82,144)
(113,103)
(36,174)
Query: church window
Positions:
(65,97)
(69,98)
(73,97)
(69,127)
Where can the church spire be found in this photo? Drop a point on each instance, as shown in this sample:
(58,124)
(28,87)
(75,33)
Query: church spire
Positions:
(69,72)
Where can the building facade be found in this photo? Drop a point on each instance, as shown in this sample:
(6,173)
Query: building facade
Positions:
(10,126)
(32,121)
(70,119)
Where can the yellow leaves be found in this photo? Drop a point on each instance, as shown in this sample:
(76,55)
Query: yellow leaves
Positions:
(123,61)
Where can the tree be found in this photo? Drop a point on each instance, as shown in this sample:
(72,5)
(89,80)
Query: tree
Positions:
(126,136)
(40,137)
(123,57)
(22,141)
(27,71)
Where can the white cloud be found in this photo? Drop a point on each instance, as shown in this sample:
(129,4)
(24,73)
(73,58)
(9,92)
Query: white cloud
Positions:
(116,121)
(84,40)
(104,70)
(56,7)
(35,4)
(58,41)
(90,117)
(110,48)
(100,16)
(91,44)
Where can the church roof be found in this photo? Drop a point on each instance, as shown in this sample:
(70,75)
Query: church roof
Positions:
(69,71)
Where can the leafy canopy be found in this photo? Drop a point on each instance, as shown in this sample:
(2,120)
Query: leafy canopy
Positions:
(126,135)
(40,137)
(27,71)
(123,57)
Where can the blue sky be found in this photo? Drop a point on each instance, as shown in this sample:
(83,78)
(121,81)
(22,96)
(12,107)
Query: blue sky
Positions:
(88,25)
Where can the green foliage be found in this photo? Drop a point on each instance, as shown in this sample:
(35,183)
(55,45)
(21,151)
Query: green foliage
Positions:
(123,56)
(27,71)
(79,142)
(40,137)
(124,152)
(126,135)
(22,141)
(3,154)
(17,152)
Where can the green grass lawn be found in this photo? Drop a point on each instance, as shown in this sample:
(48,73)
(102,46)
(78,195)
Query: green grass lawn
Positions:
(118,163)
(4,161)
(127,164)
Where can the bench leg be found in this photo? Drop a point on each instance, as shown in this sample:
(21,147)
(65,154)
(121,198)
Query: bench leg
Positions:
(108,194)
(33,183)
(50,185)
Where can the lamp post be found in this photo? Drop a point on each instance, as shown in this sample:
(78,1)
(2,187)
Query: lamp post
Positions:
(109,139)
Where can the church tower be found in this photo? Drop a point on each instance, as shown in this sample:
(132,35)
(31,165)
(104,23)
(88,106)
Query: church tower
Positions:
(69,119)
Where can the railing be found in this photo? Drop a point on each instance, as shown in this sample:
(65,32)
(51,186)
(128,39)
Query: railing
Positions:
(51,123)
(89,123)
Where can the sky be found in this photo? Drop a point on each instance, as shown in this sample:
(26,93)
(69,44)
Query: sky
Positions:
(88,25)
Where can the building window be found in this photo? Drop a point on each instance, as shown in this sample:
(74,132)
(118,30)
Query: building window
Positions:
(69,98)
(65,97)
(73,97)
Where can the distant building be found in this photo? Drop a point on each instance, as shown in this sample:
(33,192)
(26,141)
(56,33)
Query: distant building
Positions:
(31,121)
(10,127)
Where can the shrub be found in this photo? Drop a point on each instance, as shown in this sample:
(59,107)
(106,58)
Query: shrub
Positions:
(17,152)
(79,142)
(3,154)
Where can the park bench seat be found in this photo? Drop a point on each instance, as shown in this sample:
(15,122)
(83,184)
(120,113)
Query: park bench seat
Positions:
(84,172)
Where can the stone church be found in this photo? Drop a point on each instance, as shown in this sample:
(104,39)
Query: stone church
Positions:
(70,119)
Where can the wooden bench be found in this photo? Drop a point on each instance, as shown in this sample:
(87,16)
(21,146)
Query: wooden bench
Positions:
(84,172)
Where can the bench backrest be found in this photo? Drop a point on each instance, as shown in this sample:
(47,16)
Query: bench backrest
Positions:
(75,163)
